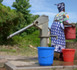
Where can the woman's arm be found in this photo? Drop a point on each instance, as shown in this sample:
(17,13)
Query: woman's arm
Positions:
(66,23)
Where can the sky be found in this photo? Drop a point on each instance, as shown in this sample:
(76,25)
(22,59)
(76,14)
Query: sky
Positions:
(47,7)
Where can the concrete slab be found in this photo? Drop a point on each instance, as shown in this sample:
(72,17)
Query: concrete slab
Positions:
(2,62)
(21,63)
(10,66)
(33,65)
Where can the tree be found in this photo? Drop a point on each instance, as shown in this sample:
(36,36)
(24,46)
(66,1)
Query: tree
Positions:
(23,7)
(8,20)
(1,1)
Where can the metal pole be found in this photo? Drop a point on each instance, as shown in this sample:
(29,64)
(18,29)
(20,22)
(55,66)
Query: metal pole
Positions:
(23,29)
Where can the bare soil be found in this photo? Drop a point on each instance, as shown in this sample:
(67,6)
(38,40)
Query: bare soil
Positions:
(2,69)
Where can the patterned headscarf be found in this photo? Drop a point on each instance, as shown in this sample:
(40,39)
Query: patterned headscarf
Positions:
(60,6)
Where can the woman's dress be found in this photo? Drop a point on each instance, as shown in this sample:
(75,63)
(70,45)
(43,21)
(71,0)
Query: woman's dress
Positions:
(57,29)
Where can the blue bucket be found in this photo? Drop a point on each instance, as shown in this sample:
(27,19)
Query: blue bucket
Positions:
(45,55)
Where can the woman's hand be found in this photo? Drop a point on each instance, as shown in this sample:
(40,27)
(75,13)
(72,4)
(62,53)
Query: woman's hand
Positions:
(73,25)
(66,23)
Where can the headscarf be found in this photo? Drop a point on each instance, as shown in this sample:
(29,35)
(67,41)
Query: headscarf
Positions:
(60,6)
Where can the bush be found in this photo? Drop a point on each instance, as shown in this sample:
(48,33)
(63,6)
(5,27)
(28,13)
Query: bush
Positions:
(8,20)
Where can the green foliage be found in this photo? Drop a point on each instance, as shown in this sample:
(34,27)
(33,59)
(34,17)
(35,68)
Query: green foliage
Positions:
(1,1)
(31,39)
(21,46)
(12,20)
(23,7)
(32,29)
(8,19)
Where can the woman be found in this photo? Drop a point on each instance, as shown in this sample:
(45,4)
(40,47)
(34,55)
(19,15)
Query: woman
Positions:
(57,29)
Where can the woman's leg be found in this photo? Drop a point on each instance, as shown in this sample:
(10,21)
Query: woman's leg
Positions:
(56,56)
(61,56)
(58,52)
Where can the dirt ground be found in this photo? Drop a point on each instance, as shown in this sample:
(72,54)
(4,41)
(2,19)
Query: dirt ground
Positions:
(2,69)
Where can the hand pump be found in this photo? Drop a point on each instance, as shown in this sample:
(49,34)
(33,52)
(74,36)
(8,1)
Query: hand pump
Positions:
(42,24)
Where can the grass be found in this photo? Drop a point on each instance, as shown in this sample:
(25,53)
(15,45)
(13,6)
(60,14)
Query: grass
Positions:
(28,39)
(21,46)
(7,50)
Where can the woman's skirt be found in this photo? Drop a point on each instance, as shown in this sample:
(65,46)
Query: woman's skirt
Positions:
(58,42)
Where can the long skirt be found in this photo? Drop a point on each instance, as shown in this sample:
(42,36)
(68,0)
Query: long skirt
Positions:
(59,43)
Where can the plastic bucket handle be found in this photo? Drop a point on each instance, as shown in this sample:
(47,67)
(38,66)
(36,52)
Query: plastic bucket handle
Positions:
(46,56)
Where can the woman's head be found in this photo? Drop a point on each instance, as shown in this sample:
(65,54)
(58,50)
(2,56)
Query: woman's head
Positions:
(61,7)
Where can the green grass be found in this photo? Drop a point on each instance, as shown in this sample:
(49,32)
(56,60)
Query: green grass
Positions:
(28,39)
(7,50)
(23,45)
